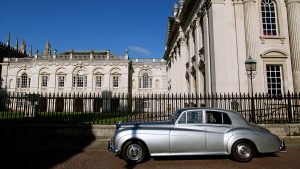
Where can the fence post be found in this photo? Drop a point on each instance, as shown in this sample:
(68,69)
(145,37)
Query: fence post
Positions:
(252,109)
(290,108)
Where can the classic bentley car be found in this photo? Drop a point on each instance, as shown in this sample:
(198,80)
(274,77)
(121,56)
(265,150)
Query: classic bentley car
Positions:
(197,131)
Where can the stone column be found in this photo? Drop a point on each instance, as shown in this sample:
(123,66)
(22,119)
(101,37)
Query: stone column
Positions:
(293,12)
(172,74)
(207,57)
(174,65)
(191,54)
(198,46)
(183,54)
(240,44)
(177,50)
(252,41)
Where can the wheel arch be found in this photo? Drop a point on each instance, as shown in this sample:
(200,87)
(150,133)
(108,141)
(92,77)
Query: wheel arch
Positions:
(135,140)
(232,141)
(124,141)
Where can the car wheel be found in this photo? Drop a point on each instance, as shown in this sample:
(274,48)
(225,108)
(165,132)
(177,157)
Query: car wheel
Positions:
(134,151)
(242,151)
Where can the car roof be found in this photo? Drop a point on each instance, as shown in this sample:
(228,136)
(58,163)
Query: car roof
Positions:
(205,108)
(236,117)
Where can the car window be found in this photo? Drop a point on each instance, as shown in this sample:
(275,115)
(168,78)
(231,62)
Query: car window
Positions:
(215,117)
(182,118)
(191,117)
(226,119)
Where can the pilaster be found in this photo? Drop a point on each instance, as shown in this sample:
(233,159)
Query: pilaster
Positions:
(183,54)
(198,46)
(253,42)
(293,12)
(207,57)
(240,44)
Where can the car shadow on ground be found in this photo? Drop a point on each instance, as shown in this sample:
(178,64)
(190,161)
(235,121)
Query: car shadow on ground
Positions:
(209,157)
(198,157)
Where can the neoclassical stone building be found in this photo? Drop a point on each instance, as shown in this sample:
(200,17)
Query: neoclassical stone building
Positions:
(83,72)
(208,42)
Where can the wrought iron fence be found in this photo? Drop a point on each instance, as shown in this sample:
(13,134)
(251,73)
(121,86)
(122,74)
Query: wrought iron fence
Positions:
(108,108)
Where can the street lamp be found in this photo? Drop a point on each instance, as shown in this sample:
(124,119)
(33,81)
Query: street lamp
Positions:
(251,70)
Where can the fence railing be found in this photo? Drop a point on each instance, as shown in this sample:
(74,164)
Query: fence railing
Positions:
(107,108)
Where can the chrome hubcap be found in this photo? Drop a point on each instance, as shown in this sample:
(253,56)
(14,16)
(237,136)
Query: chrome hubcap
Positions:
(134,152)
(243,150)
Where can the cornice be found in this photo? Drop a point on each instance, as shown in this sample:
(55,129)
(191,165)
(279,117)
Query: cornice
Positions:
(291,1)
(246,1)
(216,1)
(237,2)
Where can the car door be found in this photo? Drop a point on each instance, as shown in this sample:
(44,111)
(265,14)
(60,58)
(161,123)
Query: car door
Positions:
(217,126)
(188,134)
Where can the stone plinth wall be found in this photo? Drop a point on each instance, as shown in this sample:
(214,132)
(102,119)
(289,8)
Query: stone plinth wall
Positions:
(107,131)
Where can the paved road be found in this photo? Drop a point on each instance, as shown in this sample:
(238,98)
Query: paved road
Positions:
(63,154)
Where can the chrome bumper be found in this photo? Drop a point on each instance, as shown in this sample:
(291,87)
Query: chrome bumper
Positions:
(282,146)
(112,148)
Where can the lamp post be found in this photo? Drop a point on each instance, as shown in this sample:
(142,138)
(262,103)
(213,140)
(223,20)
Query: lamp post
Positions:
(251,71)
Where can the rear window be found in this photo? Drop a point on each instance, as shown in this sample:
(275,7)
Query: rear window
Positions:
(215,117)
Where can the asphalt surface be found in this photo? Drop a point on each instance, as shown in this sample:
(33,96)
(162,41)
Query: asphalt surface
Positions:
(92,154)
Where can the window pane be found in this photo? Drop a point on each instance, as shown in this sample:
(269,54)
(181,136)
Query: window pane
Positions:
(269,19)
(145,81)
(226,119)
(115,81)
(44,81)
(214,117)
(61,81)
(98,81)
(182,119)
(79,80)
(194,117)
(24,80)
(74,81)
(274,79)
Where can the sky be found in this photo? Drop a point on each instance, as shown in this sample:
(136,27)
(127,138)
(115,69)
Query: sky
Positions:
(82,25)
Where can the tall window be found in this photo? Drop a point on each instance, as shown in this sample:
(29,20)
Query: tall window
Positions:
(44,81)
(61,81)
(98,81)
(79,80)
(269,17)
(145,81)
(19,82)
(24,80)
(274,80)
(115,81)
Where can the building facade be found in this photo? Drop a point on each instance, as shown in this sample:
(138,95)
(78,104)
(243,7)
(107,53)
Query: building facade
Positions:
(208,42)
(83,72)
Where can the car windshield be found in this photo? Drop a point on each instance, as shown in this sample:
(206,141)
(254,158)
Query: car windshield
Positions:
(175,116)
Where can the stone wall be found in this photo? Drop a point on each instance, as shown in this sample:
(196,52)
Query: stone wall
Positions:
(107,131)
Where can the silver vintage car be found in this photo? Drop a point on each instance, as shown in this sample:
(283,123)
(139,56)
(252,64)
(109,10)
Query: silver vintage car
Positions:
(196,131)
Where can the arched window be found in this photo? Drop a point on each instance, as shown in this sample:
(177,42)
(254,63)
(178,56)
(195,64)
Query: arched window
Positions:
(24,80)
(98,78)
(60,78)
(145,81)
(80,79)
(115,74)
(269,17)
